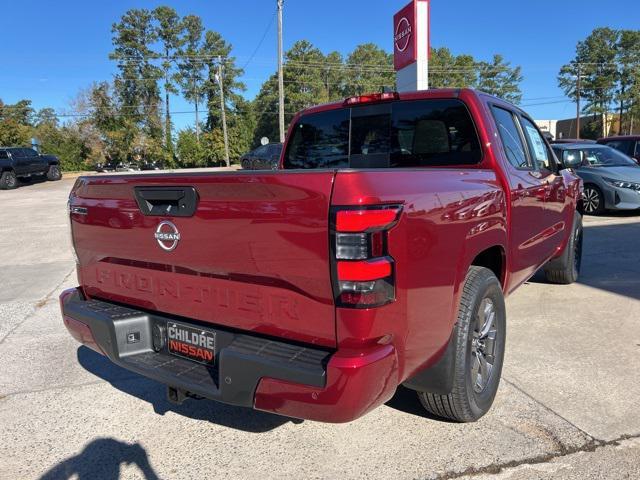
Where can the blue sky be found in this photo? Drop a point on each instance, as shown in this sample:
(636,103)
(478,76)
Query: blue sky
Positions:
(50,50)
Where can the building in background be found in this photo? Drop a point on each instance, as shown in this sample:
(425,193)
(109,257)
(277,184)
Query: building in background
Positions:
(591,126)
(547,126)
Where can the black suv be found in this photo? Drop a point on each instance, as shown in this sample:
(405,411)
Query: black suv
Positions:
(24,163)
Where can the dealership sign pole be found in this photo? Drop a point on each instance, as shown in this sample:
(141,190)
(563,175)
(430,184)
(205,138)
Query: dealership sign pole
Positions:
(411,45)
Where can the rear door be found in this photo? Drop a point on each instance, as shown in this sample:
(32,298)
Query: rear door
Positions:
(253,254)
(555,200)
(36,162)
(21,163)
(528,192)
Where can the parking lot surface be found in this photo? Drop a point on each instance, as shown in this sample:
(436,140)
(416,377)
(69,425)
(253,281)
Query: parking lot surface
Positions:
(568,405)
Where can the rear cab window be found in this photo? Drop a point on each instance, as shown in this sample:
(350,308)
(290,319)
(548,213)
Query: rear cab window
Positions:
(400,134)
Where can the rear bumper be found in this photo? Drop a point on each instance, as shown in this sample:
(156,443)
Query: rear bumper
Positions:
(250,371)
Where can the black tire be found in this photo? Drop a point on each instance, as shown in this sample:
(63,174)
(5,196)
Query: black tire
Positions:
(54,173)
(8,180)
(479,337)
(565,269)
(593,200)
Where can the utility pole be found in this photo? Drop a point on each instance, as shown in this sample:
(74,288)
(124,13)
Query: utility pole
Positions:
(579,82)
(224,116)
(195,89)
(167,115)
(280,72)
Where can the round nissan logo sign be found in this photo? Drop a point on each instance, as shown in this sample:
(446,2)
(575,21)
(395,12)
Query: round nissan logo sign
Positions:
(167,236)
(403,34)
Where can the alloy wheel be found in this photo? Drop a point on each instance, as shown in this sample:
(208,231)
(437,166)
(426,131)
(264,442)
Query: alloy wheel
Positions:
(591,198)
(483,345)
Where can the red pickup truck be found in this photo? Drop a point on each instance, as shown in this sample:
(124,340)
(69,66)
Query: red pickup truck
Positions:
(378,255)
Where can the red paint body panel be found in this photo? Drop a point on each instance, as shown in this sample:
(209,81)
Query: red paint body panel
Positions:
(449,216)
(256,257)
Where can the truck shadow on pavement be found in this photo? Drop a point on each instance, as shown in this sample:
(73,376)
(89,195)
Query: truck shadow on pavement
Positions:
(610,258)
(239,418)
(101,460)
(406,400)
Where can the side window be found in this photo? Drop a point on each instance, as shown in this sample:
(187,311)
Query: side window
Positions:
(637,154)
(274,149)
(433,133)
(17,153)
(537,146)
(260,151)
(3,155)
(320,140)
(625,146)
(511,138)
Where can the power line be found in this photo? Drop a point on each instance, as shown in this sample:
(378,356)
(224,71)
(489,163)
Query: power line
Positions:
(264,36)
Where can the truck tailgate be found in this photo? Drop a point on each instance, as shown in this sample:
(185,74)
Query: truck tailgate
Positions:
(254,254)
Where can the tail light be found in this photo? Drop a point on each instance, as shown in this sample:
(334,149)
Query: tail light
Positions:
(363,270)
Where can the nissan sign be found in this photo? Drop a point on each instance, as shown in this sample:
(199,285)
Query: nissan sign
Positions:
(411,34)
(404,38)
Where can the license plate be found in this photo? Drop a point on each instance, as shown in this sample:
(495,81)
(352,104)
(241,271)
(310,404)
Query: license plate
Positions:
(191,343)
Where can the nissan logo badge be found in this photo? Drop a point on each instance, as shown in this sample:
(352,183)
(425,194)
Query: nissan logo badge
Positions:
(167,236)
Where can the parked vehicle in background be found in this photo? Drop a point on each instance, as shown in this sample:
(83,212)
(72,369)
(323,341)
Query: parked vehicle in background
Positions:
(611,178)
(24,163)
(127,167)
(571,140)
(629,145)
(151,165)
(106,167)
(265,157)
(379,254)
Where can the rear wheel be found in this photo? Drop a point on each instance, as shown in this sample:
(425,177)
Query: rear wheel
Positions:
(479,337)
(566,268)
(593,200)
(8,180)
(54,173)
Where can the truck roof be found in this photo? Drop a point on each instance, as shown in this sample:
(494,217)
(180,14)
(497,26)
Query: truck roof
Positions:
(413,95)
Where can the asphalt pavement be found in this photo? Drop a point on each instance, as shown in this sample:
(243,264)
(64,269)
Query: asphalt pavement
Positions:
(568,405)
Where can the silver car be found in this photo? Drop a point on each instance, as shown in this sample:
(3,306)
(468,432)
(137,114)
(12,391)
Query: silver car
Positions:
(611,178)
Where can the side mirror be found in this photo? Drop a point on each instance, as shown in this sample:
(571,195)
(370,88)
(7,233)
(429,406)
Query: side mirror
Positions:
(571,159)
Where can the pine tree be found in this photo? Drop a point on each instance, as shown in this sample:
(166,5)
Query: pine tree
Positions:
(191,73)
(136,84)
(499,79)
(169,28)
